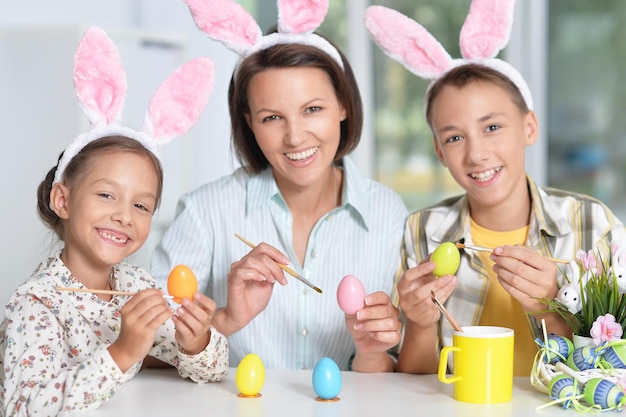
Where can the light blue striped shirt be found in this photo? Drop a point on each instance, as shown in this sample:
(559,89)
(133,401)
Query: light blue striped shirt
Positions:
(362,237)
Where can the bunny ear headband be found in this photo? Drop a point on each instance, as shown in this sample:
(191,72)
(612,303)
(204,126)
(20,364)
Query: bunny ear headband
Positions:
(100,84)
(485,32)
(229,23)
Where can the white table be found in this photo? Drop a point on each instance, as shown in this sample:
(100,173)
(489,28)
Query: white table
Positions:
(161,392)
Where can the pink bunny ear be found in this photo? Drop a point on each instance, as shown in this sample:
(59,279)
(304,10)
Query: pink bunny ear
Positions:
(407,42)
(487,28)
(301,16)
(226,22)
(178,103)
(99,77)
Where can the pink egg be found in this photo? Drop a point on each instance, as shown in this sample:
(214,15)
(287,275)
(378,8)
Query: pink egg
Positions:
(351,294)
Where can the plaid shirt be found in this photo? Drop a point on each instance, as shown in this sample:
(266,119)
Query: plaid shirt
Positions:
(561,223)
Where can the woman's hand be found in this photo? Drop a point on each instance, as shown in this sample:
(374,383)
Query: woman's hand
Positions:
(375,329)
(250,284)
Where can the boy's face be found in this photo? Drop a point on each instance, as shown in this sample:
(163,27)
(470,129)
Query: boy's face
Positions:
(481,136)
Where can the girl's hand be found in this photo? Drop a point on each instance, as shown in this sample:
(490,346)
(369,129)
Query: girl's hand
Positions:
(375,329)
(250,284)
(142,315)
(193,323)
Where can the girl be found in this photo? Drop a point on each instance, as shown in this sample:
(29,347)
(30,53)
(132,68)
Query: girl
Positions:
(63,348)
(296,114)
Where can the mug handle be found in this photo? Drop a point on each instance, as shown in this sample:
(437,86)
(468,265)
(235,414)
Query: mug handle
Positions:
(443,364)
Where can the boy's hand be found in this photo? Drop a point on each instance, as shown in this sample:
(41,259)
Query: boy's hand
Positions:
(415,299)
(142,315)
(526,275)
(193,323)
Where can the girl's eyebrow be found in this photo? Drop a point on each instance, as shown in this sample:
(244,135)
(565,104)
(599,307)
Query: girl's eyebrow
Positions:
(115,184)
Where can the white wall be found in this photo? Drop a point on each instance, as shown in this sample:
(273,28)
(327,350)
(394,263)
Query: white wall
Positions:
(40,114)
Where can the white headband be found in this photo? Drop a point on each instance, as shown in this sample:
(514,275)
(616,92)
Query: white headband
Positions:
(485,32)
(100,83)
(230,24)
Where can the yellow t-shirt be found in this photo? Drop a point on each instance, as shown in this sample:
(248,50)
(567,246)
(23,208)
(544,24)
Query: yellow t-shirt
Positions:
(500,308)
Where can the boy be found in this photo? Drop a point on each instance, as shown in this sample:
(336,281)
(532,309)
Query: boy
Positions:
(480,112)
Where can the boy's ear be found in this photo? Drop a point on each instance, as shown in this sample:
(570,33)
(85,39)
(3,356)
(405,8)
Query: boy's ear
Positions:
(58,200)
(438,151)
(531,127)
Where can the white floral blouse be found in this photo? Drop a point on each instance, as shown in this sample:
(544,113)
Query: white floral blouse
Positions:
(53,344)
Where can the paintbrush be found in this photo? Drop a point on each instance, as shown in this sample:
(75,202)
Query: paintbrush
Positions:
(444,311)
(111,292)
(283,266)
(483,249)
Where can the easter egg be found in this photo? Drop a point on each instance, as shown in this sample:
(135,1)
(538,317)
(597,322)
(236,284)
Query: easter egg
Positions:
(583,358)
(350,294)
(563,387)
(604,393)
(446,258)
(182,283)
(326,379)
(615,355)
(250,375)
(559,349)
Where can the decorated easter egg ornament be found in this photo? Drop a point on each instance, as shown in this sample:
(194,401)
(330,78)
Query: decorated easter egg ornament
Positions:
(583,358)
(615,355)
(326,380)
(350,294)
(182,283)
(604,393)
(559,348)
(564,389)
(446,258)
(250,376)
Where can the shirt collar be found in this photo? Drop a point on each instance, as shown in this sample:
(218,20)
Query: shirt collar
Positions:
(545,217)
(262,188)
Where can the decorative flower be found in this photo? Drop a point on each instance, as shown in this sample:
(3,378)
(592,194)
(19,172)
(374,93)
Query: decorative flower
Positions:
(592,298)
(606,329)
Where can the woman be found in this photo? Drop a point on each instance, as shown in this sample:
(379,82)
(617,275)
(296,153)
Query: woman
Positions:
(296,114)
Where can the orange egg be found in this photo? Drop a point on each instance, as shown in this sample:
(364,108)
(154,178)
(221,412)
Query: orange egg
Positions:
(182,283)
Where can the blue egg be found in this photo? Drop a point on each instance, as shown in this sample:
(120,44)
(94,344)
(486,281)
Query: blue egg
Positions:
(326,379)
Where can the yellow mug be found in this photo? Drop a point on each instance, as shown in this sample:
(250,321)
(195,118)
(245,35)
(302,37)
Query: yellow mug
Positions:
(482,363)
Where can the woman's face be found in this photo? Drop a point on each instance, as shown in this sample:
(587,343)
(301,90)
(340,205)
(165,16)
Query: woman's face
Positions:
(295,116)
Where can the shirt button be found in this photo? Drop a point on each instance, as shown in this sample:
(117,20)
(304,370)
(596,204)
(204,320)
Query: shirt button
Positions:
(313,253)
(305,332)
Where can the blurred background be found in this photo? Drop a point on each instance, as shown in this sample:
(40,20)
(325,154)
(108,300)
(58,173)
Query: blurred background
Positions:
(571,52)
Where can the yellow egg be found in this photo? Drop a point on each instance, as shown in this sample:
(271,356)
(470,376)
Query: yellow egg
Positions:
(446,258)
(250,375)
(182,283)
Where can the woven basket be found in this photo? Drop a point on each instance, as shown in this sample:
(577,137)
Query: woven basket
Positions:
(543,373)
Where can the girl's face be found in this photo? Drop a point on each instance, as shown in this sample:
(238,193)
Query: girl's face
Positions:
(295,116)
(481,137)
(107,216)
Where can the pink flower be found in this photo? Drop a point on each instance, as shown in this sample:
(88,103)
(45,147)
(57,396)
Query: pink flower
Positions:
(605,329)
